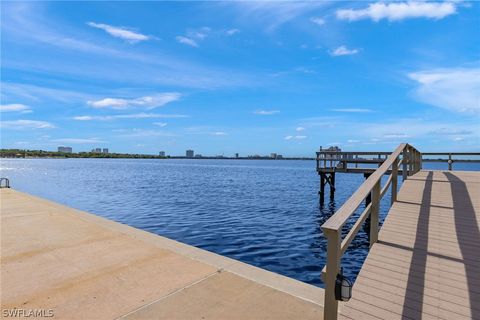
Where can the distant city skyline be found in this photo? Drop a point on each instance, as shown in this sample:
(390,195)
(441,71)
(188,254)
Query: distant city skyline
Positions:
(240,77)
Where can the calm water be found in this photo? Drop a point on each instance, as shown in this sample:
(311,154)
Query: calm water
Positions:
(265,213)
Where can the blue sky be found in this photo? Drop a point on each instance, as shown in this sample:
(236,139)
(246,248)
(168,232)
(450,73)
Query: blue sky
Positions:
(247,77)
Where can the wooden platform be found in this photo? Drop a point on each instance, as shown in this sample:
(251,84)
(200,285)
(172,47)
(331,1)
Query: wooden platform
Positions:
(426,264)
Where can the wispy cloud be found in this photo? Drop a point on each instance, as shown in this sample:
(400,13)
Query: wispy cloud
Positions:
(450,131)
(318,21)
(11,90)
(266,112)
(143,133)
(219,133)
(15,107)
(148,102)
(160,124)
(396,136)
(231,32)
(298,137)
(26,124)
(455,89)
(120,32)
(352,110)
(141,115)
(29,23)
(79,140)
(300,129)
(399,10)
(187,41)
(193,36)
(343,51)
(272,14)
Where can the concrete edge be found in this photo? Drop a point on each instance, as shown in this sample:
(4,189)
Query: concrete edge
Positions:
(273,280)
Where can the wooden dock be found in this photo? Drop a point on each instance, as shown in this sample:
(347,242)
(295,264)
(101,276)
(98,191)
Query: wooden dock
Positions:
(366,162)
(424,262)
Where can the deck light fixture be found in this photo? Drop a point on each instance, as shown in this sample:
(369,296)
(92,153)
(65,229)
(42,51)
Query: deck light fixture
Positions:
(343,287)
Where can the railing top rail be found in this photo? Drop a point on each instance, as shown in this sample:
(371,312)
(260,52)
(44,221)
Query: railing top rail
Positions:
(385,153)
(337,221)
(451,153)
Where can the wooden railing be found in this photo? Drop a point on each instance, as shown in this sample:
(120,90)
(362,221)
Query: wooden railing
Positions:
(330,159)
(404,155)
(450,160)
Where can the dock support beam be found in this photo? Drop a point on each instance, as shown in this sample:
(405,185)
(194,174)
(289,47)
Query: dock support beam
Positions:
(327,177)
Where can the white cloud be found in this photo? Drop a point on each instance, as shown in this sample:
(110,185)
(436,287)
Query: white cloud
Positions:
(266,112)
(399,11)
(231,32)
(298,137)
(343,51)
(15,107)
(26,124)
(353,141)
(199,34)
(78,140)
(109,103)
(352,110)
(318,21)
(396,136)
(141,115)
(148,116)
(219,133)
(300,129)
(187,41)
(120,32)
(142,133)
(160,124)
(88,118)
(148,102)
(194,36)
(455,89)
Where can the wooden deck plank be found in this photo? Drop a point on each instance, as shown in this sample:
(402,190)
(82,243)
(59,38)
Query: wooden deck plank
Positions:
(426,264)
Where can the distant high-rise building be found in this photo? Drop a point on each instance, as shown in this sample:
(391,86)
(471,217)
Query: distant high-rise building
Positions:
(279,156)
(105,150)
(189,153)
(97,150)
(161,153)
(273,155)
(236,155)
(65,149)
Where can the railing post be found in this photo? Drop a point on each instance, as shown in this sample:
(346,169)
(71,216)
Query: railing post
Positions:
(405,164)
(330,309)
(420,161)
(394,180)
(374,213)
(450,162)
(414,161)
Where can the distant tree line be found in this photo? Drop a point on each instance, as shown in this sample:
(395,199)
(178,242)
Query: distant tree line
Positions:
(18,153)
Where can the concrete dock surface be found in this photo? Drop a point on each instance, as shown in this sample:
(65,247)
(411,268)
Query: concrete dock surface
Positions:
(75,265)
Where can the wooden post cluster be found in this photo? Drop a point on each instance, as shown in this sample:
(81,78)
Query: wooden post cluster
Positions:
(324,179)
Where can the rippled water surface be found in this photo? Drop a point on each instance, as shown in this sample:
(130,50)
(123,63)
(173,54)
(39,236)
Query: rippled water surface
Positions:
(265,213)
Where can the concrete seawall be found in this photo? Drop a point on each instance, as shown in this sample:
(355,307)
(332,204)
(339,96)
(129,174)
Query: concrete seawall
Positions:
(76,265)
